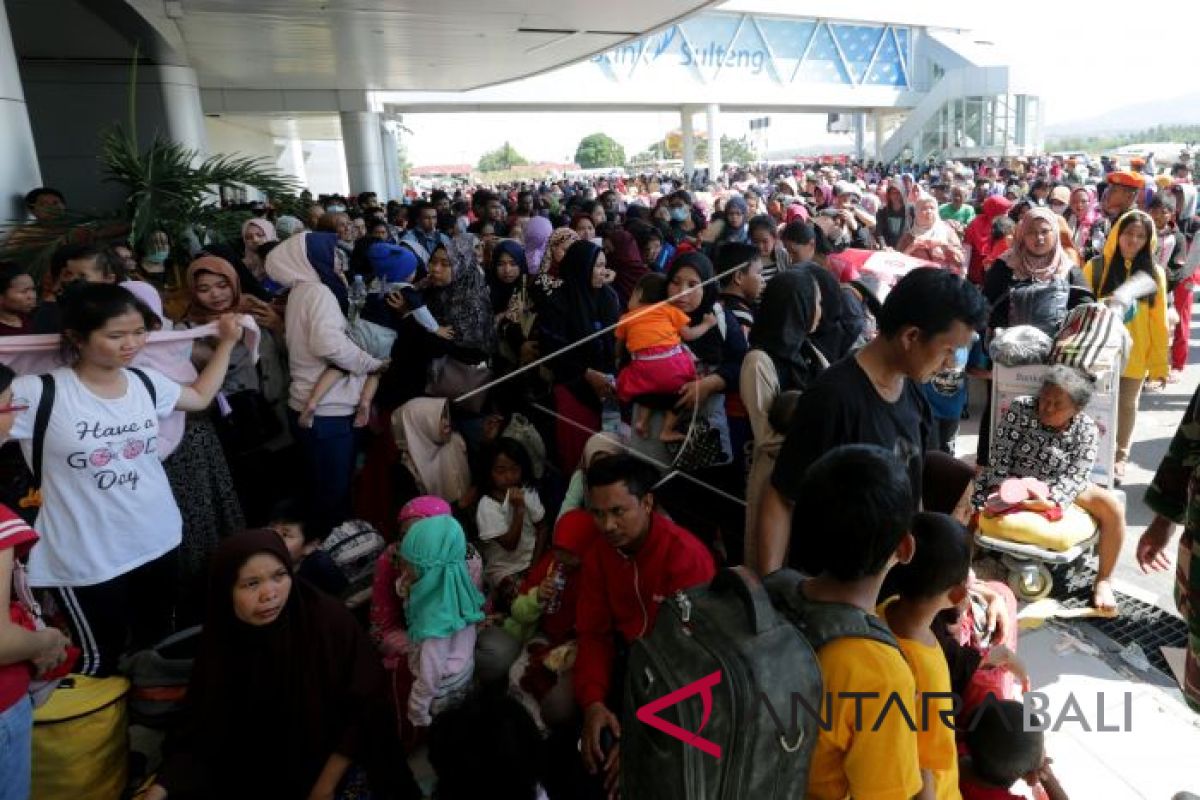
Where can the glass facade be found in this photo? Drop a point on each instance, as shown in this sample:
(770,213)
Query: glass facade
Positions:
(981,126)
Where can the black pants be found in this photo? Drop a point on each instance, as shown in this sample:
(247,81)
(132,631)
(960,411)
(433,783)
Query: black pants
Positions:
(946,431)
(131,611)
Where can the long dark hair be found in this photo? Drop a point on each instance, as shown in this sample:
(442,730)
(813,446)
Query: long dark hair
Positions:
(1142,262)
(87,307)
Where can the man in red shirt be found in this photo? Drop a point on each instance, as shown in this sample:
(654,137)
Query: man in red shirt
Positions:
(644,560)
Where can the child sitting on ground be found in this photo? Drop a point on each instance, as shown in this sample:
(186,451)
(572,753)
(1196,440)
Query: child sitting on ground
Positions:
(510,519)
(1000,751)
(861,499)
(935,579)
(653,332)
(302,534)
(443,607)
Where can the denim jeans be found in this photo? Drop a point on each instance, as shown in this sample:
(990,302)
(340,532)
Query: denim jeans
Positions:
(329,448)
(16,738)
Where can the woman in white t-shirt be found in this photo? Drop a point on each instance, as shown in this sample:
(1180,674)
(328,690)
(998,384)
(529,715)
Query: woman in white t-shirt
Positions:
(109,523)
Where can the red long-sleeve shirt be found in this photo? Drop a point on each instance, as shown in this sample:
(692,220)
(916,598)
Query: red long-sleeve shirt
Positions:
(622,593)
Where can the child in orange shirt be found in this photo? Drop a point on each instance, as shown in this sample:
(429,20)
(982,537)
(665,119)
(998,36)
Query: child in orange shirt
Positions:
(653,332)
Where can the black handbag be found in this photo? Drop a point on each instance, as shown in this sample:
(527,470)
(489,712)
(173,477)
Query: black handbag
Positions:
(702,448)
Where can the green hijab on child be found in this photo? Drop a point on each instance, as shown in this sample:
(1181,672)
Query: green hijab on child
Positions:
(442,599)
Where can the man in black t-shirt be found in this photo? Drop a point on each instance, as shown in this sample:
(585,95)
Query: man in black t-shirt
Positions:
(870,397)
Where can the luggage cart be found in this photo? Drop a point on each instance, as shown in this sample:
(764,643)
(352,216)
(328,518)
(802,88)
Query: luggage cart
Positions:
(1032,570)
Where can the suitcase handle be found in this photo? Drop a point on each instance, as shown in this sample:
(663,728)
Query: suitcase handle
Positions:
(743,582)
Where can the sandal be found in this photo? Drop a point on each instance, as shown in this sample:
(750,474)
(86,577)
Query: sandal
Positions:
(1174,376)
(1118,473)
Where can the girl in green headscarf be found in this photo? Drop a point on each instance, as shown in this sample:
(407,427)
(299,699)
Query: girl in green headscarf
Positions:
(443,608)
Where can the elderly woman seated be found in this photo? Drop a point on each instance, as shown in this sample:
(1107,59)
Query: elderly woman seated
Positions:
(1049,438)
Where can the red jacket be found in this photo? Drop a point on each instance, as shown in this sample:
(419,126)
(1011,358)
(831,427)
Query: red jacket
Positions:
(621,594)
(978,236)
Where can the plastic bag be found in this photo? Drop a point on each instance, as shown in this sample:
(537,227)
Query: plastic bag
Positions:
(1020,346)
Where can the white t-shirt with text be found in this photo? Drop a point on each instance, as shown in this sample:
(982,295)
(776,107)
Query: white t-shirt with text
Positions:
(107,507)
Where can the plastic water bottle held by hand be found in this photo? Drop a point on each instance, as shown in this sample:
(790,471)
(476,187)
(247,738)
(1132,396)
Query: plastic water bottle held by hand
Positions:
(357,295)
(560,582)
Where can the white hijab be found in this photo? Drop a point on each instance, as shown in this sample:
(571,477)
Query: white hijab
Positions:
(439,464)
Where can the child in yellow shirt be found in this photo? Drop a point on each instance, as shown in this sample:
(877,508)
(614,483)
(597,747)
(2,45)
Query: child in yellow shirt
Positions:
(935,579)
(860,498)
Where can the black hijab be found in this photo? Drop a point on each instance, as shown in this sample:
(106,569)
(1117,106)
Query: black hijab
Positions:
(709,348)
(501,293)
(832,336)
(311,672)
(585,309)
(781,326)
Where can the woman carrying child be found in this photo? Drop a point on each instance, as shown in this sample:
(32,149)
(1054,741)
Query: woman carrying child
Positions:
(307,264)
(653,332)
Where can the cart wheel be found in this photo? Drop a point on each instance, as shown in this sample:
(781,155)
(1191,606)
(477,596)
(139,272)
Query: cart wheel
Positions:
(1031,582)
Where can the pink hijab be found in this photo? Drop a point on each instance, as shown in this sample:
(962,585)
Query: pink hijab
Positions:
(1029,267)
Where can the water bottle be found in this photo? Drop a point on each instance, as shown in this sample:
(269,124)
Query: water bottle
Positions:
(610,417)
(560,583)
(357,296)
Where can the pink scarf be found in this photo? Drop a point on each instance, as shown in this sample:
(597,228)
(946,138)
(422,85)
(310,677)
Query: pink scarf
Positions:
(40,353)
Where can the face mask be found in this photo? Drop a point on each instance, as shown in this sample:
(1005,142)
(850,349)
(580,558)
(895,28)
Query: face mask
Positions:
(158,256)
(335,209)
(679,214)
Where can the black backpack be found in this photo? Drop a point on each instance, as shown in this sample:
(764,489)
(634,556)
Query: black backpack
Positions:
(762,637)
(20,484)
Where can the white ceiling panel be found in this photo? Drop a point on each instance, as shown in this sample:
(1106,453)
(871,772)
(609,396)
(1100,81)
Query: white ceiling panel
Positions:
(395,45)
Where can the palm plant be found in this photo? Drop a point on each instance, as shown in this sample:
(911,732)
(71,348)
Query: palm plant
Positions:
(169,188)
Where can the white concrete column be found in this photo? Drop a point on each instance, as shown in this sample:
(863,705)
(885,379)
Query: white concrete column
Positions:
(714,141)
(184,116)
(878,119)
(860,136)
(18,156)
(689,141)
(363,146)
(391,163)
(295,159)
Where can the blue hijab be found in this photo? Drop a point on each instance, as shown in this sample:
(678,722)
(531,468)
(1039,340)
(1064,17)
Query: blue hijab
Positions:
(322,254)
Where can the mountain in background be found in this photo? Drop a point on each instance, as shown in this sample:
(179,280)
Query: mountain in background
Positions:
(1182,110)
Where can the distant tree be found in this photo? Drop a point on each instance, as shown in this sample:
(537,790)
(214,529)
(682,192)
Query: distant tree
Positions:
(599,150)
(733,151)
(503,157)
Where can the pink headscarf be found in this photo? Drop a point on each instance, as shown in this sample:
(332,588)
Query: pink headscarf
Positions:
(1028,267)
(796,211)
(423,508)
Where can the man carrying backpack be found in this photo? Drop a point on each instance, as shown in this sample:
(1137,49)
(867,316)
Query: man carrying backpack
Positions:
(644,560)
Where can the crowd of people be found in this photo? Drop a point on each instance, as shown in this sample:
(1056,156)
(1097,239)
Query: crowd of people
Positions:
(546,408)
